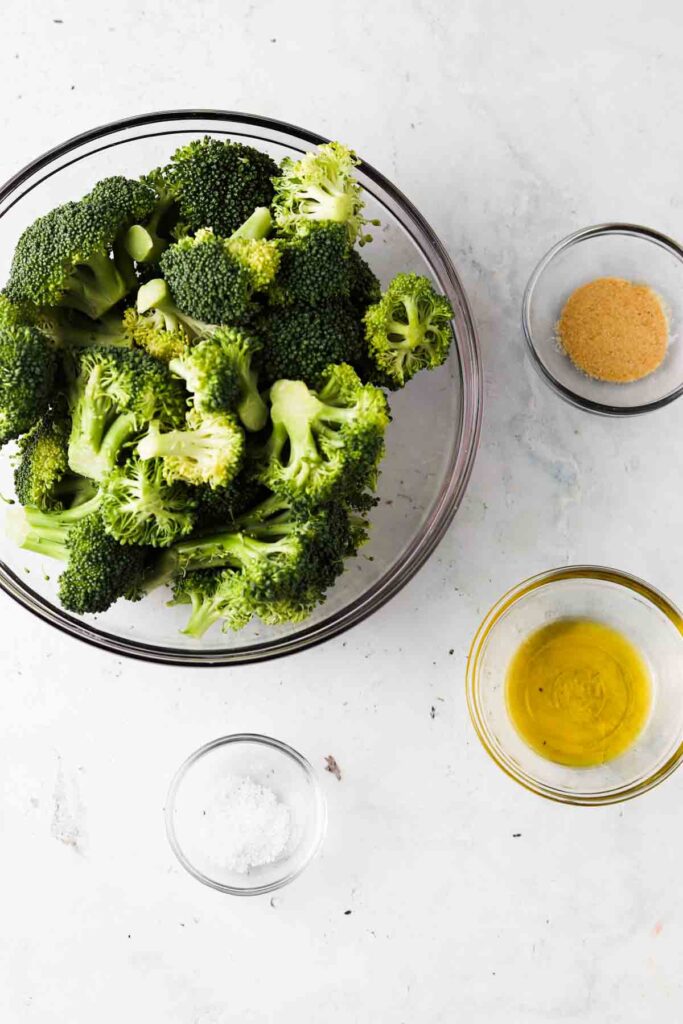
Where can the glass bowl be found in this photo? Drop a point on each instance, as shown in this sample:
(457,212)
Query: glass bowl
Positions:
(607,250)
(266,762)
(618,600)
(431,442)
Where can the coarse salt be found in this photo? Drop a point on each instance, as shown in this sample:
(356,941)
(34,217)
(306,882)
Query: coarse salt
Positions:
(244,825)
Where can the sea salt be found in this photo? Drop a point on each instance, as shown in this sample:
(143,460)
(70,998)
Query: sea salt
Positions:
(244,825)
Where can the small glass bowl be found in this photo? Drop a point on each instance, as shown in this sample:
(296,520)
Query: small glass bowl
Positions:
(271,764)
(629,251)
(621,601)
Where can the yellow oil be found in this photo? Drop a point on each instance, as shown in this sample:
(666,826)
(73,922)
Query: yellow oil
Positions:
(578,692)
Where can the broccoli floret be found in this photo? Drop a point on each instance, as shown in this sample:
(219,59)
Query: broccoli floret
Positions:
(320,187)
(327,443)
(116,393)
(147,331)
(158,312)
(299,341)
(41,475)
(72,256)
(220,506)
(213,279)
(210,451)
(408,330)
(146,242)
(220,372)
(314,268)
(277,565)
(219,183)
(28,366)
(365,288)
(140,507)
(99,570)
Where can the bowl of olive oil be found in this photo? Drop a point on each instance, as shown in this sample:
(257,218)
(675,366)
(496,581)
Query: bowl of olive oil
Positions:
(575,685)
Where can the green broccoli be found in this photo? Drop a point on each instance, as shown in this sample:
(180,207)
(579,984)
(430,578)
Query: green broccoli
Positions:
(327,443)
(28,367)
(72,256)
(41,475)
(116,393)
(158,312)
(66,328)
(98,571)
(315,268)
(277,564)
(408,330)
(220,506)
(220,372)
(147,331)
(219,183)
(320,187)
(146,242)
(299,341)
(210,451)
(213,279)
(365,288)
(139,506)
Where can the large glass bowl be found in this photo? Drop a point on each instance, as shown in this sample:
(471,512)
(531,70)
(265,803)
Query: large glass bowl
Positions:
(431,442)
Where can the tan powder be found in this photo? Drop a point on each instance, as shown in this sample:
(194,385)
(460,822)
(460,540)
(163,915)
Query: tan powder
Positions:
(614,330)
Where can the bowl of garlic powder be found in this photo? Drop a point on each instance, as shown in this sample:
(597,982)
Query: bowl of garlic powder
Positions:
(245,814)
(602,314)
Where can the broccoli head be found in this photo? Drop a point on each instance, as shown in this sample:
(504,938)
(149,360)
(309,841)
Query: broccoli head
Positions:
(220,506)
(219,183)
(220,372)
(365,288)
(300,341)
(148,332)
(210,451)
(41,474)
(28,366)
(98,571)
(115,394)
(72,256)
(408,330)
(320,187)
(326,443)
(213,279)
(139,506)
(315,268)
(159,313)
(277,565)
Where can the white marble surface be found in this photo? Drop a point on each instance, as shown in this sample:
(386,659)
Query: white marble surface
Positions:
(509,125)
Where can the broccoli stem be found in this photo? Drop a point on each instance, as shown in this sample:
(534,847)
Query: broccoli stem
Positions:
(222,549)
(252,410)
(95,445)
(143,243)
(205,612)
(45,532)
(95,286)
(256,226)
(155,295)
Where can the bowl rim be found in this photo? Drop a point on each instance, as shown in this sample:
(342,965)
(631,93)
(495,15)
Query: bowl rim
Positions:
(488,624)
(259,740)
(584,234)
(446,502)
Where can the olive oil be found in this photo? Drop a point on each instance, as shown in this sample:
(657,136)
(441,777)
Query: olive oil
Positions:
(578,692)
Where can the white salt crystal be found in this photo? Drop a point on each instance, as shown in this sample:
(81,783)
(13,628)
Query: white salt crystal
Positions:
(244,825)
